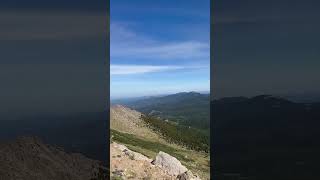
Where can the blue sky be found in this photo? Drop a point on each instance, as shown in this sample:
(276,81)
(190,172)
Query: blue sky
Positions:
(159,47)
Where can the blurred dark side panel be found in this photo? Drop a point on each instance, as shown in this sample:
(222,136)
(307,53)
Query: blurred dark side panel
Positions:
(266,89)
(54,76)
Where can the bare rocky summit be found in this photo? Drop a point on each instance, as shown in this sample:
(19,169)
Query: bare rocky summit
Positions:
(28,158)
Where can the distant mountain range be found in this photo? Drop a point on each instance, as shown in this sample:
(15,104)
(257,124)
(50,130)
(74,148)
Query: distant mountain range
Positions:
(265,137)
(185,108)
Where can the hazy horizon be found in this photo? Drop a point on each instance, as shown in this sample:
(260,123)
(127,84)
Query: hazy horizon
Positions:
(154,95)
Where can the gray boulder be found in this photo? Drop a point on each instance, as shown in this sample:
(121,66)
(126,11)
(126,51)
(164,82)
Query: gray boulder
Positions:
(169,164)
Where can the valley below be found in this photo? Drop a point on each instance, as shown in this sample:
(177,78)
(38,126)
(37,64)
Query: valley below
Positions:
(128,128)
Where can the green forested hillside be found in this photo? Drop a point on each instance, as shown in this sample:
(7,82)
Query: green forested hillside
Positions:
(187,108)
(187,136)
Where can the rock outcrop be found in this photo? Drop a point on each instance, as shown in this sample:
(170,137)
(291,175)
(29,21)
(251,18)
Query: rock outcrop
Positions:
(127,164)
(131,154)
(169,163)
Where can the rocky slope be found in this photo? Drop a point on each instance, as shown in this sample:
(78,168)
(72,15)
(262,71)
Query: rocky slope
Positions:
(127,120)
(28,158)
(127,164)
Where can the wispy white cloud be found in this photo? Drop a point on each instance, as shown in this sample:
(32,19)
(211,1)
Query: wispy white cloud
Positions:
(140,69)
(126,43)
(126,69)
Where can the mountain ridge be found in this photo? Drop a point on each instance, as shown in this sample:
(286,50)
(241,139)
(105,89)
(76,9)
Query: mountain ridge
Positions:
(185,108)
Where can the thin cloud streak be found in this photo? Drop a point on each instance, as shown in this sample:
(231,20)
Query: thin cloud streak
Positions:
(118,69)
(140,69)
(126,43)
